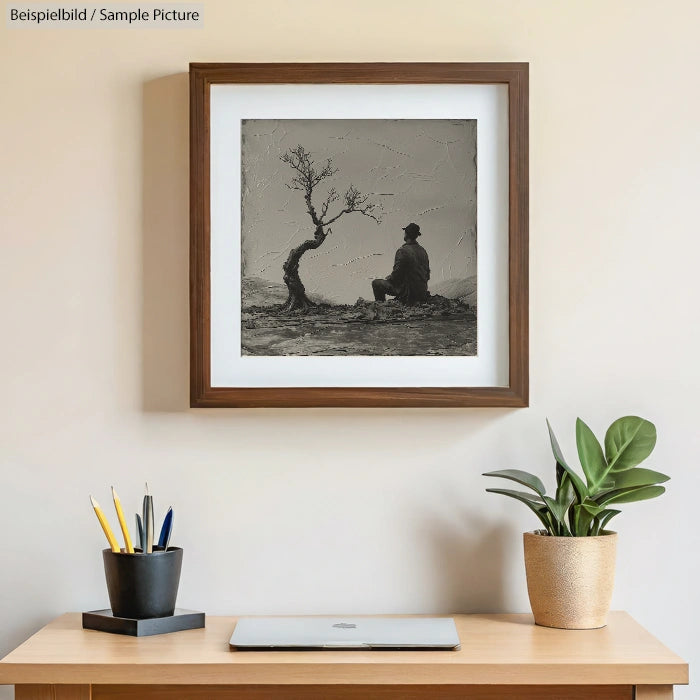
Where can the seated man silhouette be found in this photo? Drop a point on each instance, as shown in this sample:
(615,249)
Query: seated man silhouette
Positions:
(408,281)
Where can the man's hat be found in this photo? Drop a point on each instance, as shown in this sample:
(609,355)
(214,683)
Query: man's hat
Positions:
(412,230)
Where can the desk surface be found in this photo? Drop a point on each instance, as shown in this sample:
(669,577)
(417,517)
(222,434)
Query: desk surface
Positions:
(503,649)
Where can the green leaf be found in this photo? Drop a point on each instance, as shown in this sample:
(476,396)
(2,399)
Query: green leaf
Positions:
(565,497)
(606,516)
(629,441)
(591,455)
(560,474)
(593,508)
(532,502)
(602,520)
(558,511)
(555,448)
(520,495)
(632,495)
(576,480)
(636,477)
(548,518)
(582,520)
(565,489)
(524,478)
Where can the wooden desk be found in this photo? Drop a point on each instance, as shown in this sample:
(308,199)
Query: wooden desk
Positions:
(502,656)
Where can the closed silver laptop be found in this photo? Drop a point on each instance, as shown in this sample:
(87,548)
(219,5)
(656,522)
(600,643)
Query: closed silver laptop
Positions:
(297,633)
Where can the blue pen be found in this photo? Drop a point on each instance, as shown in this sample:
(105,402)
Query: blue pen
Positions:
(166,530)
(139,529)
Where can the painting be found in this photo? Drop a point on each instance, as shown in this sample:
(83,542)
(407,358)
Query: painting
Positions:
(358,235)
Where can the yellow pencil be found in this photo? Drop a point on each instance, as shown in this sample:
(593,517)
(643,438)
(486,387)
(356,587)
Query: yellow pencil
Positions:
(105,525)
(122,523)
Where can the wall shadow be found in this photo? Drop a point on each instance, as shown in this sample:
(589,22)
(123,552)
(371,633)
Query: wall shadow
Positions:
(165,253)
(470,564)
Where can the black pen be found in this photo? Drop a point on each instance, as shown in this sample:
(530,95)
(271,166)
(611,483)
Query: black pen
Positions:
(148,520)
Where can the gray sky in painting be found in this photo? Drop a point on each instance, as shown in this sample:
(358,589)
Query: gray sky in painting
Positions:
(418,170)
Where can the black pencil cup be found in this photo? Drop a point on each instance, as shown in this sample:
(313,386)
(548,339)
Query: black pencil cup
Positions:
(142,586)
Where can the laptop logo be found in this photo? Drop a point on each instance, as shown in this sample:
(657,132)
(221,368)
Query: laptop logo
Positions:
(345,625)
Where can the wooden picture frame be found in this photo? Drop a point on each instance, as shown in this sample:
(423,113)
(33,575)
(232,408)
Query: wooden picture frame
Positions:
(205,75)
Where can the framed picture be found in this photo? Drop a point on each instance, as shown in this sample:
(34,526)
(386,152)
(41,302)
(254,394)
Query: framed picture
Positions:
(359,234)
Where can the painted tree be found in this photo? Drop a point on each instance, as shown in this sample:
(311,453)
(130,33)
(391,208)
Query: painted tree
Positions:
(308,176)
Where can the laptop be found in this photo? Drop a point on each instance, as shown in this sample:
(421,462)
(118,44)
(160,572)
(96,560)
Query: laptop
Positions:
(301,633)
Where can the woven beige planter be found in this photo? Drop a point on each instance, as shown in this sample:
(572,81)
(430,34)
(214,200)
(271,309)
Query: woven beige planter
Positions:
(570,579)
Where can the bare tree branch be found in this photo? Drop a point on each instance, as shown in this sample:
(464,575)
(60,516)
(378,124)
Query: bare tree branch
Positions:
(332,197)
(356,201)
(308,178)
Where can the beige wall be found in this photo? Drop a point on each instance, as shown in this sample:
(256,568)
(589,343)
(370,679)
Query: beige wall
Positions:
(346,510)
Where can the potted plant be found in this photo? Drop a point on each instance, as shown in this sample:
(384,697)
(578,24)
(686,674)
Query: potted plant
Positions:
(570,563)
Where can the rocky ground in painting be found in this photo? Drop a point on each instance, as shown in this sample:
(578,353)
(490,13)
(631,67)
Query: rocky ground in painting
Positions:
(442,327)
